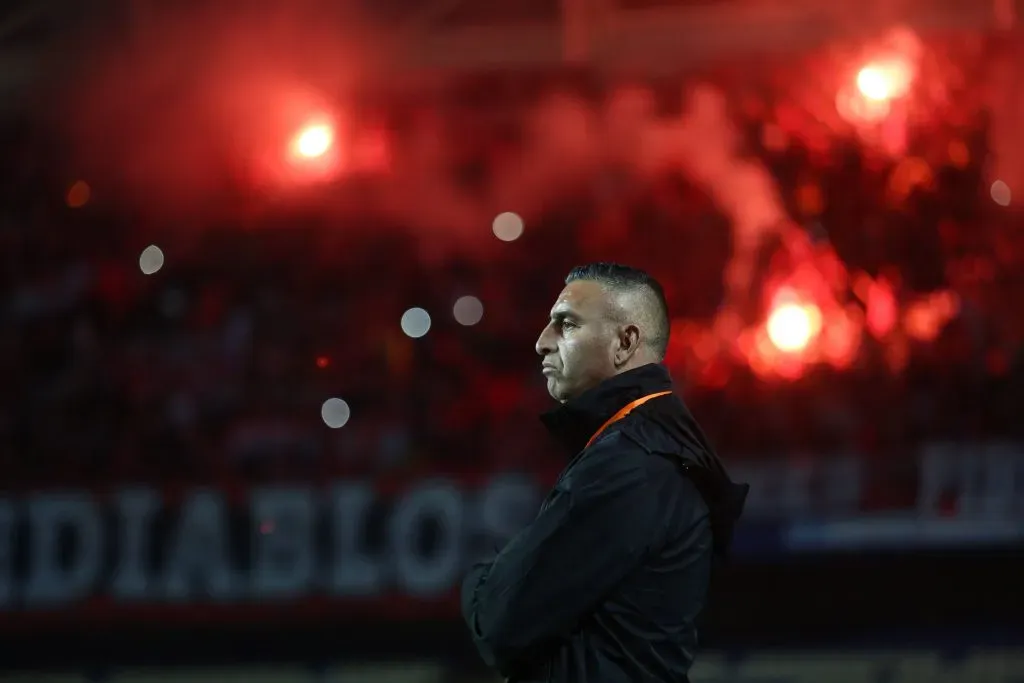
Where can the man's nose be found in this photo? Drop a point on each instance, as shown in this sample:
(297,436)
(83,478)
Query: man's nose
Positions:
(545,345)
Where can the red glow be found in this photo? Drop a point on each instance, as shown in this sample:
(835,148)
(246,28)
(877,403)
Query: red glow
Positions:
(313,152)
(793,325)
(870,95)
(313,141)
(925,319)
(297,139)
(884,81)
(78,195)
(882,309)
(807,323)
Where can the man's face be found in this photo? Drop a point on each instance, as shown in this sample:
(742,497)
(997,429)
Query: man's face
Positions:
(578,344)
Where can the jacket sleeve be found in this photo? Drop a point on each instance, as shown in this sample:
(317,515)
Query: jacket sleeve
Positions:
(558,569)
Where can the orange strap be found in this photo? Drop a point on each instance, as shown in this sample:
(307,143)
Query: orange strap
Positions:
(626,410)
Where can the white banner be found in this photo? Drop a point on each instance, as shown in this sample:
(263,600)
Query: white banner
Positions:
(61,548)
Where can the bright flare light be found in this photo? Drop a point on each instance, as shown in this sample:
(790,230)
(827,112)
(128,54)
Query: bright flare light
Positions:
(881,82)
(313,141)
(792,326)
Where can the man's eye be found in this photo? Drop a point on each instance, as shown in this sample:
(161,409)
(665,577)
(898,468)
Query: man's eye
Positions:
(568,324)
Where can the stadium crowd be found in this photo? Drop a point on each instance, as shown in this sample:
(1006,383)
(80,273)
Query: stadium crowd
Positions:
(215,367)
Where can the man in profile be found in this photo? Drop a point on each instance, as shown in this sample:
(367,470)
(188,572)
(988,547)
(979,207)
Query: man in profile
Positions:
(607,582)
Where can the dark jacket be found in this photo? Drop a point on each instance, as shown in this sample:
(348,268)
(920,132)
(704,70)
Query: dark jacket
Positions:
(607,582)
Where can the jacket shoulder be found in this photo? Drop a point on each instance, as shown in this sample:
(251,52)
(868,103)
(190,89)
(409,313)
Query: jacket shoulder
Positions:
(631,456)
(667,460)
(610,459)
(650,437)
(669,492)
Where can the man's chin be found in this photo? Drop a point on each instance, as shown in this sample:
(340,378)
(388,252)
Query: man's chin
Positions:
(557,391)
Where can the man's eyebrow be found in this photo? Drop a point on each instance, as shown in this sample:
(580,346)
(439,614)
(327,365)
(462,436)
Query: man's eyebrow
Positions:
(560,315)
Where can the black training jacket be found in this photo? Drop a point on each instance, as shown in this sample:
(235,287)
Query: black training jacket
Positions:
(607,582)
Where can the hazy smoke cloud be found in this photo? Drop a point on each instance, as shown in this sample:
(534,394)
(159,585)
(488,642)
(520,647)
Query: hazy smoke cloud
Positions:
(200,97)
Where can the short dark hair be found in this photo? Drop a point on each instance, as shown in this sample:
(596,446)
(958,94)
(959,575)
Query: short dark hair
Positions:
(628,279)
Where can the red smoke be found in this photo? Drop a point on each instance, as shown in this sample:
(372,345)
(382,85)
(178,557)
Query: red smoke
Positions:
(271,100)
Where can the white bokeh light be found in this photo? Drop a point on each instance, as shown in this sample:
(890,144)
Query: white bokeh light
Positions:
(1001,194)
(335,413)
(415,322)
(468,310)
(151,260)
(508,226)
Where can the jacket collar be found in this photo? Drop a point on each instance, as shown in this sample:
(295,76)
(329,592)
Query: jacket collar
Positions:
(575,421)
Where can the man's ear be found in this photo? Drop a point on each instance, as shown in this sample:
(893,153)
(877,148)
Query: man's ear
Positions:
(629,342)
